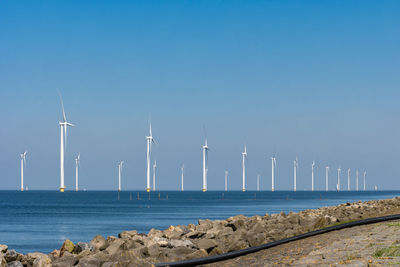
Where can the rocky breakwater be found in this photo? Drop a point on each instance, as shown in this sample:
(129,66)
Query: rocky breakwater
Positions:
(191,241)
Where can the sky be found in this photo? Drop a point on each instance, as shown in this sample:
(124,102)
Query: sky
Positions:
(313,79)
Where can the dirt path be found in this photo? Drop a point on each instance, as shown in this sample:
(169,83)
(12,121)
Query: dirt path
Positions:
(348,247)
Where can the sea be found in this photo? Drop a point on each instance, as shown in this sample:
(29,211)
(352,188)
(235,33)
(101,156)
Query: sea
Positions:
(40,221)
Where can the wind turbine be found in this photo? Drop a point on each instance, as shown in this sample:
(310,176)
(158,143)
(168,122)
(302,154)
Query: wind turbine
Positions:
(273,160)
(258,182)
(365,173)
(312,175)
(205,164)
(63,144)
(356,180)
(119,175)
(244,157)
(150,141)
(23,163)
(326,178)
(226,180)
(348,179)
(338,179)
(77,162)
(154,175)
(295,165)
(182,173)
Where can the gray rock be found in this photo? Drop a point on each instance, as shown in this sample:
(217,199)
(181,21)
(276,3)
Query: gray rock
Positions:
(67,258)
(195,234)
(180,243)
(127,234)
(99,242)
(207,244)
(201,253)
(12,255)
(15,264)
(3,248)
(42,261)
(81,246)
(3,262)
(114,247)
(173,232)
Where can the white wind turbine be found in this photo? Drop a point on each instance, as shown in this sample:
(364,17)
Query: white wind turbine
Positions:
(63,144)
(182,176)
(295,165)
(273,162)
(312,175)
(205,164)
(338,179)
(226,180)
(77,162)
(348,179)
(23,163)
(326,178)
(356,180)
(365,173)
(119,175)
(258,182)
(154,175)
(150,141)
(244,157)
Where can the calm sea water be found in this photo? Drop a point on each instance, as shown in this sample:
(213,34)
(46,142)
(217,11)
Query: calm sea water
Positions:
(42,220)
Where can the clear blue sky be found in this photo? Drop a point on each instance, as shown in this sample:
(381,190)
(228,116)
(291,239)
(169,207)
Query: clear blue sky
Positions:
(316,79)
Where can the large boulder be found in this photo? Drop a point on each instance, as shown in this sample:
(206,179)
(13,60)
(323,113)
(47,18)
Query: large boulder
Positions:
(68,258)
(98,242)
(3,261)
(127,234)
(174,243)
(207,244)
(81,246)
(12,255)
(173,232)
(42,261)
(68,245)
(114,246)
(14,264)
(236,222)
(201,253)
(3,248)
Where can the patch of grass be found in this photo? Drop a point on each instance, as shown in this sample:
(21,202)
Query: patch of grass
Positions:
(343,222)
(351,257)
(395,224)
(392,251)
(393,263)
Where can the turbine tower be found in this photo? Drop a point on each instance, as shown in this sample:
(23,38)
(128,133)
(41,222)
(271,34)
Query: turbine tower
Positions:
(273,160)
(258,182)
(182,173)
(154,175)
(326,178)
(119,175)
(295,165)
(244,157)
(77,161)
(312,175)
(226,180)
(23,163)
(150,141)
(205,165)
(356,180)
(348,179)
(365,173)
(339,170)
(63,144)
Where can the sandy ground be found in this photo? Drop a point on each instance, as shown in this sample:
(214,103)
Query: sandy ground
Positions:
(348,247)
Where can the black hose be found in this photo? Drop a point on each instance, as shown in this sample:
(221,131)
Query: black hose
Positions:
(242,252)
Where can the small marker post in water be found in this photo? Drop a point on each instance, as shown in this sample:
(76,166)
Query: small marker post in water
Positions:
(138,197)
(130,196)
(222,196)
(167,196)
(118,196)
(158,196)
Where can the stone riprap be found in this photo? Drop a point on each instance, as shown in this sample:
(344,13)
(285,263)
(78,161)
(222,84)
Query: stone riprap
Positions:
(191,241)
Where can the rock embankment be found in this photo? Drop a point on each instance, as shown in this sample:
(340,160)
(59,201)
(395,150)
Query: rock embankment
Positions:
(191,241)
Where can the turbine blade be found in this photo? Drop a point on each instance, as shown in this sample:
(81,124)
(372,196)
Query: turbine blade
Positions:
(62,105)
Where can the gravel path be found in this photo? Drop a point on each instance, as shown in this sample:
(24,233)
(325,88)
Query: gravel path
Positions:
(348,247)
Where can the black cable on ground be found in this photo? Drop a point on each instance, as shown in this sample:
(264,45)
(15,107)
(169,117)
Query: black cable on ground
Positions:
(242,252)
